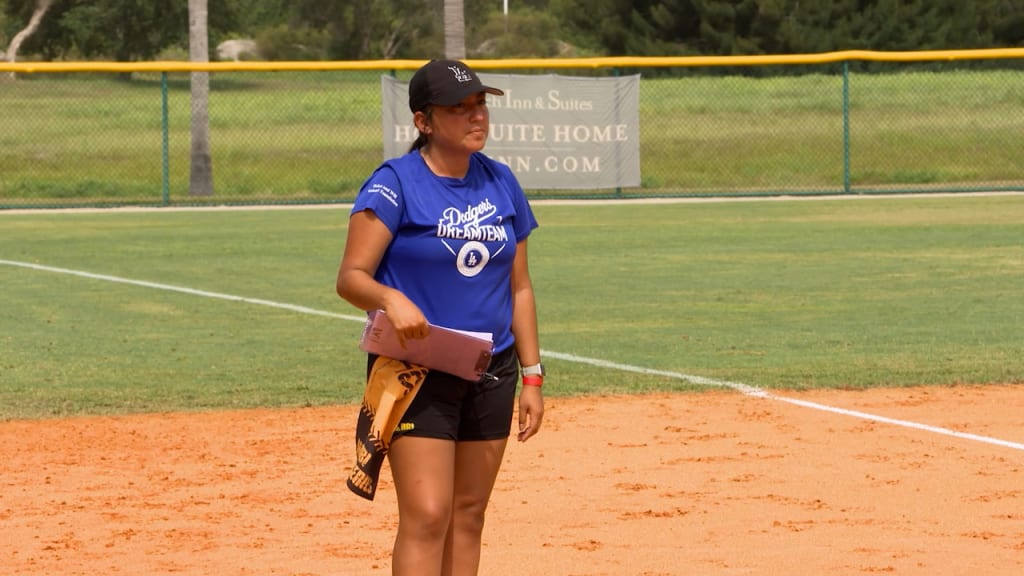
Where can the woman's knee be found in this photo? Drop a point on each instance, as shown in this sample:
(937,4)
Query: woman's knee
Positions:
(427,520)
(469,513)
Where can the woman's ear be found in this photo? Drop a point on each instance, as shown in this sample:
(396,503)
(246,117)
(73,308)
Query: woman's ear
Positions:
(422,122)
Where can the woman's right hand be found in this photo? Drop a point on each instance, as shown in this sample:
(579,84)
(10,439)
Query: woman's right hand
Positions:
(406,318)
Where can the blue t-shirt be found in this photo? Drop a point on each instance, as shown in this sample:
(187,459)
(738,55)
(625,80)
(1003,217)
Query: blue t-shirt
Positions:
(454,239)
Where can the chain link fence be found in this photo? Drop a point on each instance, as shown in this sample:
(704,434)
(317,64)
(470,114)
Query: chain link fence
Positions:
(118,134)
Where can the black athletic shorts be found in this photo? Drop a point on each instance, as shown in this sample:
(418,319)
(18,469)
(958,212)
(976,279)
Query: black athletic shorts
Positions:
(451,408)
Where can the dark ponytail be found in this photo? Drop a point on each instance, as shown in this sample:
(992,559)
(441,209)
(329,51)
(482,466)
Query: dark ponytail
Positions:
(421,139)
(420,142)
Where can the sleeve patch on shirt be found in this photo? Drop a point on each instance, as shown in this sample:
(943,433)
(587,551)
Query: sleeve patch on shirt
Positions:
(385,192)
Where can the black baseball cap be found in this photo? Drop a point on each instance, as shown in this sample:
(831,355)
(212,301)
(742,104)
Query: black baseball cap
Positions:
(445,83)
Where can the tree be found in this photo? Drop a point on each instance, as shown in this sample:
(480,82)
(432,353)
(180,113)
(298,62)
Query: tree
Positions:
(725,26)
(139,30)
(201,171)
(527,33)
(361,29)
(675,27)
(121,30)
(33,24)
(454,30)
(629,28)
(254,15)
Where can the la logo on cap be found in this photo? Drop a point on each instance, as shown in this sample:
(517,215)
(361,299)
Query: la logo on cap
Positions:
(460,74)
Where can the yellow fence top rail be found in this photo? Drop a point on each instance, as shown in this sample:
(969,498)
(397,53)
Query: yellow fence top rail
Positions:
(519,63)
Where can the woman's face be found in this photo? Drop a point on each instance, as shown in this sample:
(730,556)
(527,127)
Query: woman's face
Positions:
(462,127)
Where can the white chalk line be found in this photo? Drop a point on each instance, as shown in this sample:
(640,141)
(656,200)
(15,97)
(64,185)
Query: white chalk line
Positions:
(745,389)
(184,290)
(761,393)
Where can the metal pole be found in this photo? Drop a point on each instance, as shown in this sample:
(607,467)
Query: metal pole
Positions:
(166,142)
(846,127)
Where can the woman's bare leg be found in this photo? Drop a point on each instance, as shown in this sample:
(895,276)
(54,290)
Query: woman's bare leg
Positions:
(424,473)
(476,468)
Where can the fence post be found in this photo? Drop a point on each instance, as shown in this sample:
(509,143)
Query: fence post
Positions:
(846,126)
(166,196)
(615,74)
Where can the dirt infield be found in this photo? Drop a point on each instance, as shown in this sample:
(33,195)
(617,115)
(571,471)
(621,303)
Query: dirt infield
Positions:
(709,483)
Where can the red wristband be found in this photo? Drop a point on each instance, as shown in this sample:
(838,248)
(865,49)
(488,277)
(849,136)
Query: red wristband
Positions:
(537,381)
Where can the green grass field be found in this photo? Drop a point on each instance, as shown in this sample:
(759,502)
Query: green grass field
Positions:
(292,137)
(777,294)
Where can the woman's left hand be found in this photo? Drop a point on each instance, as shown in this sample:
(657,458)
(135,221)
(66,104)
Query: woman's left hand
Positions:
(531,412)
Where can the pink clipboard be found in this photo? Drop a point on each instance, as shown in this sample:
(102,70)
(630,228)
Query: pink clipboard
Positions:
(457,352)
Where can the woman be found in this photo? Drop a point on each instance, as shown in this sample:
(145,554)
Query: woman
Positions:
(439,236)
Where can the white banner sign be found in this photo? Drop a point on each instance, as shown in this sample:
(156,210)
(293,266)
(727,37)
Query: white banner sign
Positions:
(555,132)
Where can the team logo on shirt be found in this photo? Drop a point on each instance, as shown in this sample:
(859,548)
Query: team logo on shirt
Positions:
(472,258)
(473,225)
